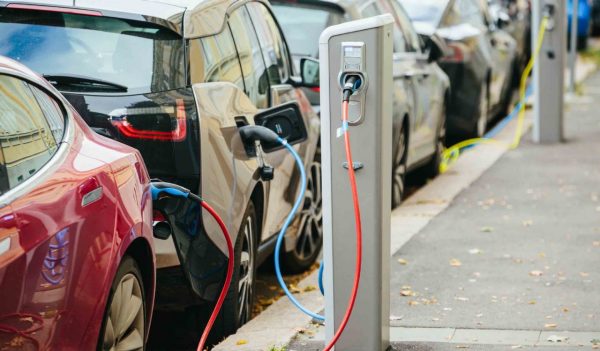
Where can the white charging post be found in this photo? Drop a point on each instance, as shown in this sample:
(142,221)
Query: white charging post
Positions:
(361,47)
(548,72)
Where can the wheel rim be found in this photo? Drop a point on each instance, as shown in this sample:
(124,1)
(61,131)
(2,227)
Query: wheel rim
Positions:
(399,170)
(124,328)
(310,232)
(483,111)
(245,287)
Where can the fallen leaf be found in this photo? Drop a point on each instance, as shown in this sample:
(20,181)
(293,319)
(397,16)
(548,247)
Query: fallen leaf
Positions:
(557,338)
(565,309)
(464,299)
(474,251)
(584,274)
(514,347)
(413,303)
(407,292)
(435,319)
(487,229)
(596,243)
(542,254)
(402,261)
(310,288)
(455,262)
(536,273)
(550,325)
(241,342)
(532,302)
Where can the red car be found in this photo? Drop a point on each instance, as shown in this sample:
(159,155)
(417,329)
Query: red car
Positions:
(76,253)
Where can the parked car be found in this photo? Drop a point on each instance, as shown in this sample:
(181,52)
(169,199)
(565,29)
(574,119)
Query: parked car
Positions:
(175,79)
(584,22)
(514,17)
(421,88)
(481,65)
(76,253)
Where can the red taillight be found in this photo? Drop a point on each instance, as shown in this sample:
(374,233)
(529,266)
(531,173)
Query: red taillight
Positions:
(120,120)
(158,216)
(54,9)
(316,89)
(457,53)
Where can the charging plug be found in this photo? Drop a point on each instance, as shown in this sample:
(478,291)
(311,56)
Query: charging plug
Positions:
(352,83)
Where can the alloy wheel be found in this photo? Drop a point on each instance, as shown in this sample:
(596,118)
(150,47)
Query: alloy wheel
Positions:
(310,233)
(399,172)
(246,272)
(125,321)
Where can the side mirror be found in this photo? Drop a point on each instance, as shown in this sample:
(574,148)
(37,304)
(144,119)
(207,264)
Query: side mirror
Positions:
(285,120)
(436,48)
(309,70)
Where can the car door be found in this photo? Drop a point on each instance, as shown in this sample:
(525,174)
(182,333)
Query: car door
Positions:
(424,79)
(62,209)
(285,185)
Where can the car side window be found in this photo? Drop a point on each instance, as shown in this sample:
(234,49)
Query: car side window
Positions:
(251,58)
(26,140)
(54,114)
(215,59)
(413,42)
(273,46)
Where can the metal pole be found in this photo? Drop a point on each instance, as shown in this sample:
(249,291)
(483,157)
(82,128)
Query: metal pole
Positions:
(340,48)
(548,71)
(573,46)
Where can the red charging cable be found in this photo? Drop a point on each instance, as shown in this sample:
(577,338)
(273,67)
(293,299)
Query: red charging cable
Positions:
(225,289)
(358,224)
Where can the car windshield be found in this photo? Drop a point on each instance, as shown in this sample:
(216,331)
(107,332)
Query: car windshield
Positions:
(425,11)
(302,25)
(93,53)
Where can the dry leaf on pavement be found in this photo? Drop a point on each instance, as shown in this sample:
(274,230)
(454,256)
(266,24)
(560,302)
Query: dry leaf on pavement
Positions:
(536,273)
(402,261)
(455,262)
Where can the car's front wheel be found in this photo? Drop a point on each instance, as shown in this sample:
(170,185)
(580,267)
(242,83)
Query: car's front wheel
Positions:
(309,238)
(124,324)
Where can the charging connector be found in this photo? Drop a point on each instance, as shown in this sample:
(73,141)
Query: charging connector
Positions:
(351,84)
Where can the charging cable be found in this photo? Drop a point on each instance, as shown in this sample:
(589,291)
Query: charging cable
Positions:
(162,189)
(451,154)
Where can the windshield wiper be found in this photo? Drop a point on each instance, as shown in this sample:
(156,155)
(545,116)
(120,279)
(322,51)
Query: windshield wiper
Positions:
(83,83)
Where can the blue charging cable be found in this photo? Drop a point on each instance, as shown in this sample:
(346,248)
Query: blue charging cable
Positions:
(283,230)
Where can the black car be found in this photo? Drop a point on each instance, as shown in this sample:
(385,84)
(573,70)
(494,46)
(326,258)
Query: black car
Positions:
(480,66)
(176,79)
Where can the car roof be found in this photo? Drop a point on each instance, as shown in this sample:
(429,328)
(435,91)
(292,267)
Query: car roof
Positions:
(189,18)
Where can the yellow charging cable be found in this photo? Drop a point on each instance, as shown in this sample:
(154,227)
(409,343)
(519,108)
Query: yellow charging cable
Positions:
(451,154)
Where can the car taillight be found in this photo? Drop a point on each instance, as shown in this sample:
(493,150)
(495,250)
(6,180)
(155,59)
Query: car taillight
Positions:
(159,123)
(316,89)
(457,53)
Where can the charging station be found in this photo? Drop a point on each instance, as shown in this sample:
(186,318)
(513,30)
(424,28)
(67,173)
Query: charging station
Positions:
(360,48)
(548,73)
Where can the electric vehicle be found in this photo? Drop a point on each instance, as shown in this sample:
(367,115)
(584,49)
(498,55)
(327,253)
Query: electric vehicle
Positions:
(175,79)
(514,17)
(77,266)
(481,66)
(584,22)
(421,88)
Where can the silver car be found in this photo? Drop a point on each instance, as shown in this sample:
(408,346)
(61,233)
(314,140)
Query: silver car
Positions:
(421,88)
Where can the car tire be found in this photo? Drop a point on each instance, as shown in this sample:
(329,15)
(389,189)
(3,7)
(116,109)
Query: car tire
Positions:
(399,167)
(483,110)
(432,169)
(309,238)
(237,308)
(124,324)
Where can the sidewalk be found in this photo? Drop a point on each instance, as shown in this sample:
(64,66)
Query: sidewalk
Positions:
(514,261)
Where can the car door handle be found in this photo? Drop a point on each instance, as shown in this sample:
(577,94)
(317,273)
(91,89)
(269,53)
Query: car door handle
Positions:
(90,191)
